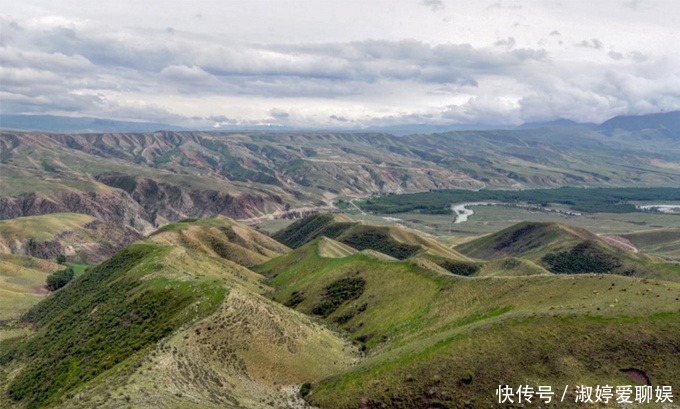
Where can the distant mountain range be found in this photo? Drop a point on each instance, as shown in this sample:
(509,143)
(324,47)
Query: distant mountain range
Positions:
(662,124)
(65,124)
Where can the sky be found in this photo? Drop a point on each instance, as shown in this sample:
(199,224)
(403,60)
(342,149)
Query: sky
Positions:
(351,64)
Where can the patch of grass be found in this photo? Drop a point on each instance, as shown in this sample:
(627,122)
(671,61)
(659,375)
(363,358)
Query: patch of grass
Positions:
(377,238)
(466,368)
(460,268)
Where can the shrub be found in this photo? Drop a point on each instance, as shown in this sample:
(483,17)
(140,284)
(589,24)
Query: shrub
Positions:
(467,377)
(460,268)
(59,279)
(305,389)
(295,299)
(61,259)
(339,292)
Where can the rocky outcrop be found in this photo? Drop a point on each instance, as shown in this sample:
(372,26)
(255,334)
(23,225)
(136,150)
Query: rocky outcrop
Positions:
(48,250)
(116,207)
(163,202)
(91,243)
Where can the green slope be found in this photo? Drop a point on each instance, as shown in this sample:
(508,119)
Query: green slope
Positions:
(171,309)
(393,241)
(661,242)
(440,340)
(564,249)
(210,313)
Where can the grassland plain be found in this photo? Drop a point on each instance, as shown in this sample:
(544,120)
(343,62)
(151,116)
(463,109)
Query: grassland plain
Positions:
(578,199)
(450,340)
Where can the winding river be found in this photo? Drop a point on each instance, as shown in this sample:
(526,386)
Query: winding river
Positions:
(463,213)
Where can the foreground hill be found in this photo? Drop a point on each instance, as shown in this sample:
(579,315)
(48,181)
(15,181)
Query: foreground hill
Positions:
(173,320)
(210,313)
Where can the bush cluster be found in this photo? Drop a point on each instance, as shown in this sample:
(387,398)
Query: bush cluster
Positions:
(59,279)
(339,292)
(585,257)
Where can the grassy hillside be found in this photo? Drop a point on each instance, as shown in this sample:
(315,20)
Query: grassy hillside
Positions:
(102,320)
(660,242)
(579,199)
(525,239)
(173,320)
(564,249)
(448,340)
(22,283)
(82,238)
(309,228)
(210,313)
(393,241)
(221,237)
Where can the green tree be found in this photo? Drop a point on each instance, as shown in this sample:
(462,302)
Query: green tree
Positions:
(59,279)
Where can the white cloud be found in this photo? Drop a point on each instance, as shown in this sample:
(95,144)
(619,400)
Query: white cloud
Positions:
(381,62)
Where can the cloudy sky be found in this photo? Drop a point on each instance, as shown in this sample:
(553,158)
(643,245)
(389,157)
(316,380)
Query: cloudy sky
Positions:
(340,63)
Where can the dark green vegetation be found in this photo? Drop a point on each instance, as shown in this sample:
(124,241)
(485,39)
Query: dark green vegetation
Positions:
(588,200)
(101,320)
(309,228)
(392,241)
(460,268)
(339,292)
(59,279)
(584,257)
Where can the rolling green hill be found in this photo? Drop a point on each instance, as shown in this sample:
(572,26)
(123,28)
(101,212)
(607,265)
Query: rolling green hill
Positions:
(393,241)
(169,305)
(448,341)
(211,313)
(661,242)
(564,249)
